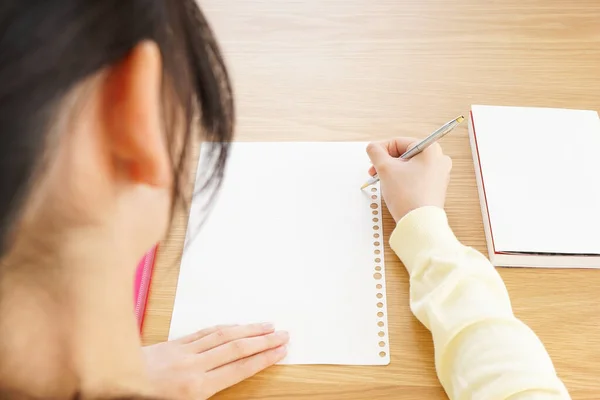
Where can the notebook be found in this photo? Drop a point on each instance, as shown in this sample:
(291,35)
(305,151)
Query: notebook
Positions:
(143,276)
(291,239)
(538,173)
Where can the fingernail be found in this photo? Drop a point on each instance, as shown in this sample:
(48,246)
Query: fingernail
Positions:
(267,326)
(283,335)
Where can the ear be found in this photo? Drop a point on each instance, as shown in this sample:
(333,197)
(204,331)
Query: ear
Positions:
(132,113)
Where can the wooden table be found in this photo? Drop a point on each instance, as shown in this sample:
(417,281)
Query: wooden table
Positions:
(347,70)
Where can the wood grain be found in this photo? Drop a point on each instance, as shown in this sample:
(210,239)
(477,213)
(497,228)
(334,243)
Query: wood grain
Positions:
(347,70)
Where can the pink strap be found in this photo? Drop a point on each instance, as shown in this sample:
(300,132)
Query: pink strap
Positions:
(143,276)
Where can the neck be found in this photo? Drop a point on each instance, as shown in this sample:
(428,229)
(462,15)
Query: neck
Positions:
(67,325)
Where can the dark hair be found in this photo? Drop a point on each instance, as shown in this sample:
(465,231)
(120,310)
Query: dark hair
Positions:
(48,46)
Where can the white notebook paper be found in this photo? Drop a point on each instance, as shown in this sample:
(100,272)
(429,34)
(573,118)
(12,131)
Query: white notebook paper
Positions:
(293,240)
(538,173)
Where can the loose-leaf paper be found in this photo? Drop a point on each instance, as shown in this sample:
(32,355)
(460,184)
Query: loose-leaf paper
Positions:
(291,239)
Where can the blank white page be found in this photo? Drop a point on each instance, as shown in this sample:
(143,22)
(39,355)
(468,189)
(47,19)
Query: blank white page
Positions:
(291,239)
(541,174)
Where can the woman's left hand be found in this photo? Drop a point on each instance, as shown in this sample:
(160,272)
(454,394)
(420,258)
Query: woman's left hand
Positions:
(209,361)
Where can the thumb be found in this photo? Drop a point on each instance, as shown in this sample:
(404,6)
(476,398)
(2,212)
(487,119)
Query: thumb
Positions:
(378,153)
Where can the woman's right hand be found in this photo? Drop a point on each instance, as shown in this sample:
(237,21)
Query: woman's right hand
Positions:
(410,184)
(206,362)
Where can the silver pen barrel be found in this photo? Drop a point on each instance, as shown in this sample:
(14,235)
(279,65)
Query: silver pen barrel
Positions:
(429,140)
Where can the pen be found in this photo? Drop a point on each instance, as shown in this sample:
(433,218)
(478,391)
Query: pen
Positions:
(422,145)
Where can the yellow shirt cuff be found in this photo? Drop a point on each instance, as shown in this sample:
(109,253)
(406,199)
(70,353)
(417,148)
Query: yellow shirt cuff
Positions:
(420,231)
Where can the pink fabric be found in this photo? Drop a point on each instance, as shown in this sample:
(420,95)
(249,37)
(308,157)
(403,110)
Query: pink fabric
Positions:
(143,276)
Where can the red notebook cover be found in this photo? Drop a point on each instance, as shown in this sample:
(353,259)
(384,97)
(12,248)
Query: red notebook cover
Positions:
(143,276)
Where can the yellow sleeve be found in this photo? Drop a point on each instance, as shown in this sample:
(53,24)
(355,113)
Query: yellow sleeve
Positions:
(482,351)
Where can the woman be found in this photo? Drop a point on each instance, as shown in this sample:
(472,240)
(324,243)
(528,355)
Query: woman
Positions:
(99,105)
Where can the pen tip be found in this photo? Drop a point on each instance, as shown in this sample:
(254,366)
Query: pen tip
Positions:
(364,186)
(460,119)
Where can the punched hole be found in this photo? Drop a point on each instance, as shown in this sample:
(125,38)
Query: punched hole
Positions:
(380,324)
(376,244)
(377,275)
(379,295)
(380,314)
(382,354)
(373,205)
(381,344)
(378,268)
(380,305)
(381,334)
(379,286)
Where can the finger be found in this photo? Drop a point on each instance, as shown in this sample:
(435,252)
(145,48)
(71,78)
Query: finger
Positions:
(412,145)
(432,153)
(372,171)
(378,153)
(398,146)
(225,335)
(447,162)
(231,374)
(202,333)
(241,348)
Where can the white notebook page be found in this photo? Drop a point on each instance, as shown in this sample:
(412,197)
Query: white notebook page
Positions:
(541,172)
(291,239)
